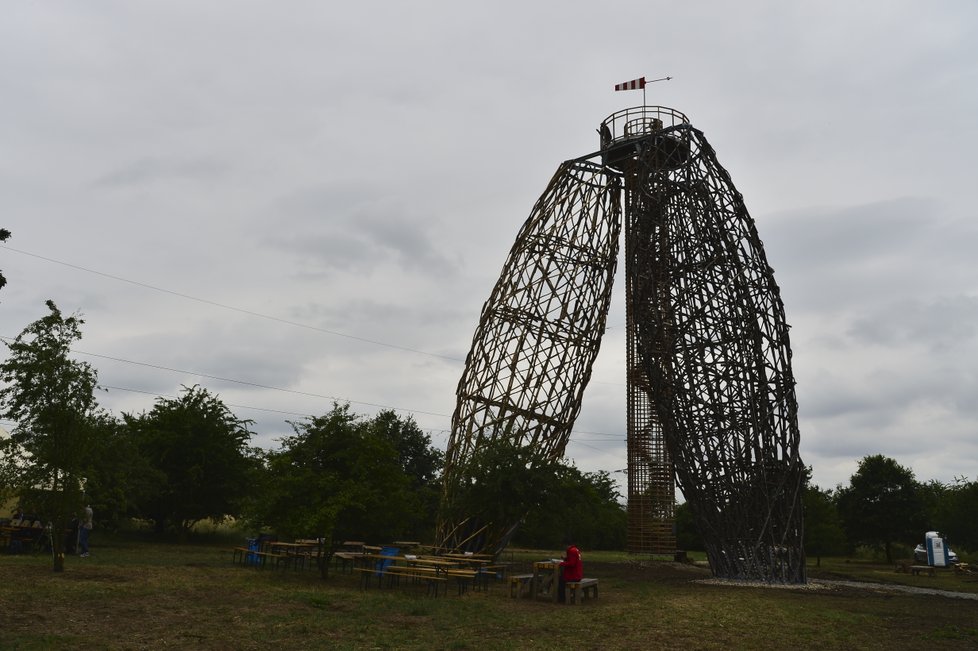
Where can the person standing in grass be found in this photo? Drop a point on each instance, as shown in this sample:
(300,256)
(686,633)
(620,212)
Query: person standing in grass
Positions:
(83,530)
(571,569)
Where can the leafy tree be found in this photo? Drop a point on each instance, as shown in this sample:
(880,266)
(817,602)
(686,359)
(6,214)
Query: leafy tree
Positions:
(337,477)
(501,483)
(883,504)
(51,397)
(582,506)
(824,534)
(119,477)
(687,533)
(200,463)
(421,462)
(957,514)
(418,459)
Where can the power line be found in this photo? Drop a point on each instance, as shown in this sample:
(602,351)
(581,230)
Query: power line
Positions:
(607,437)
(243,382)
(233,308)
(150,393)
(270,318)
(257,385)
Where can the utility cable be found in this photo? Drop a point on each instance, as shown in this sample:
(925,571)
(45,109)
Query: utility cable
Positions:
(233,308)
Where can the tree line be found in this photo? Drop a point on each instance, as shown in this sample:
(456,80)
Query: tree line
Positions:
(190,459)
(346,476)
(883,509)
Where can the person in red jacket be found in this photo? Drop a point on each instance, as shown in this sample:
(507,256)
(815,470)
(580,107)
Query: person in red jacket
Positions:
(571,569)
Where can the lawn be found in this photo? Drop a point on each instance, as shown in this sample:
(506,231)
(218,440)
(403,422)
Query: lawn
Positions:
(132,594)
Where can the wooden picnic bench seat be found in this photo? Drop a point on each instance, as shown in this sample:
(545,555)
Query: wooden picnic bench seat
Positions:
(344,559)
(463,578)
(520,584)
(239,554)
(275,557)
(917,569)
(432,579)
(585,586)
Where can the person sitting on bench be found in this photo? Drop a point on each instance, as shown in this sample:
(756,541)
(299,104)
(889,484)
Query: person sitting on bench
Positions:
(571,569)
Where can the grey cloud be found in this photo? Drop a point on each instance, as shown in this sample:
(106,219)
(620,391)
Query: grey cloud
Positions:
(156,169)
(849,238)
(861,257)
(943,325)
(356,231)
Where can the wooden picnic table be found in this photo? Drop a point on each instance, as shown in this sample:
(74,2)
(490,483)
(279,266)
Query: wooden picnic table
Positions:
(434,572)
(22,538)
(541,569)
(296,553)
(287,546)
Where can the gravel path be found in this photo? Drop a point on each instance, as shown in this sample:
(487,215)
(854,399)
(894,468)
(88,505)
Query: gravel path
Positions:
(893,587)
(821,584)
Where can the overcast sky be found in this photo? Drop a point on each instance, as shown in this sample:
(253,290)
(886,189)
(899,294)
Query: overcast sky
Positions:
(317,197)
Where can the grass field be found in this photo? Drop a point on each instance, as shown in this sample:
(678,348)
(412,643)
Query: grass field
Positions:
(132,594)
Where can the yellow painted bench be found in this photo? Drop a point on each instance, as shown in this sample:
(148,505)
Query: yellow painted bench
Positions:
(587,587)
(520,584)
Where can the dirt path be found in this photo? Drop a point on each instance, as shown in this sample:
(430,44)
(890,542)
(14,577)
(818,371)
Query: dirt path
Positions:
(893,587)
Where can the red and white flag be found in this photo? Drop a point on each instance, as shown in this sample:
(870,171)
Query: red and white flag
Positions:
(631,85)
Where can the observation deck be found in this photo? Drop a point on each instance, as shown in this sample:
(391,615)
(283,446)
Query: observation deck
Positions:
(633,131)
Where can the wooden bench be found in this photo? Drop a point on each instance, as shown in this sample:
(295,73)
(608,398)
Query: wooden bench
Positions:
(345,560)
(239,553)
(264,557)
(917,569)
(488,573)
(520,584)
(464,578)
(366,573)
(432,579)
(587,588)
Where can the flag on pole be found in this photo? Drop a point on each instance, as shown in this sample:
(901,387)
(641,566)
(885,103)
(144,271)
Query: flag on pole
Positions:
(631,85)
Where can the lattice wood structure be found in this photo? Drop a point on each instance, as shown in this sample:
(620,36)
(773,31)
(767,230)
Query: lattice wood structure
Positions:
(711,401)
(539,334)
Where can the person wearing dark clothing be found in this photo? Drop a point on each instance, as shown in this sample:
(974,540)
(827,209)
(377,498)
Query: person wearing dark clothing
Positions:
(84,528)
(571,569)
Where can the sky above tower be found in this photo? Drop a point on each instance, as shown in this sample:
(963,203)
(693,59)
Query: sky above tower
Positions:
(299,202)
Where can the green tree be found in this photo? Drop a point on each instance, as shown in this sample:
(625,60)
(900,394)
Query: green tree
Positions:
(500,484)
(200,463)
(687,533)
(419,460)
(580,506)
(119,477)
(883,504)
(824,534)
(51,397)
(957,514)
(336,478)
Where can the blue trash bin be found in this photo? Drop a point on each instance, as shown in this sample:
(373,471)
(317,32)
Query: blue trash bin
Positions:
(251,558)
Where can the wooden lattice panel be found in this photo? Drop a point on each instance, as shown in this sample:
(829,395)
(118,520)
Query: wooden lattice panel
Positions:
(538,336)
(713,345)
(711,402)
